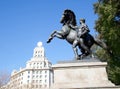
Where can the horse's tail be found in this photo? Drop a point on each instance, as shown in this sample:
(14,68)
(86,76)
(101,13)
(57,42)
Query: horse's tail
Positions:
(104,46)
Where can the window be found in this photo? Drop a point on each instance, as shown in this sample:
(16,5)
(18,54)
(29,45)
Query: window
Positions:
(32,86)
(40,72)
(27,81)
(40,81)
(40,76)
(19,75)
(45,85)
(33,72)
(45,71)
(36,86)
(27,86)
(37,76)
(40,86)
(45,81)
(45,76)
(33,81)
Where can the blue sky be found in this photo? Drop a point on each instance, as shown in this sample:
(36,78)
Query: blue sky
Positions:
(25,22)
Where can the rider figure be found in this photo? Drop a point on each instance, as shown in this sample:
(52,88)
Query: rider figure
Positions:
(82,31)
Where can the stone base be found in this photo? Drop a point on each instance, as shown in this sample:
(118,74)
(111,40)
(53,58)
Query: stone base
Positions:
(81,75)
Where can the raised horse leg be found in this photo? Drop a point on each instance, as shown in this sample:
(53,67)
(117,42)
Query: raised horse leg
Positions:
(58,34)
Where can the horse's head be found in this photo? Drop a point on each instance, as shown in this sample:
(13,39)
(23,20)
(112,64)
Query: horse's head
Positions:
(68,17)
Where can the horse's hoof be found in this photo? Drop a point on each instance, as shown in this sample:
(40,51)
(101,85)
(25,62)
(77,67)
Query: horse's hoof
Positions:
(82,56)
(48,41)
(77,58)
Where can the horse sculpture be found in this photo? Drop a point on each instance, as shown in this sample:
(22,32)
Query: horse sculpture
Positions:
(70,35)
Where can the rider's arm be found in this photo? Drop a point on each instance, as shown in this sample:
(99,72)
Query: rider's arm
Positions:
(86,30)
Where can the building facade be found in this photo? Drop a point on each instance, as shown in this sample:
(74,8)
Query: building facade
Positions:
(37,74)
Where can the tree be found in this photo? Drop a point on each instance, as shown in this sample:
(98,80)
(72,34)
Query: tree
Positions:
(108,27)
(4,78)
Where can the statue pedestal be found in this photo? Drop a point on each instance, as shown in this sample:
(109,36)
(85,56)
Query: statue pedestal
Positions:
(81,75)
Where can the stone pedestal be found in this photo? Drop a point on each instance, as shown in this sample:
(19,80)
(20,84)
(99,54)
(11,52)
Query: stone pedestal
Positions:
(81,75)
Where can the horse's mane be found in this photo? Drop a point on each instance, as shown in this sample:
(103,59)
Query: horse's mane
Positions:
(72,17)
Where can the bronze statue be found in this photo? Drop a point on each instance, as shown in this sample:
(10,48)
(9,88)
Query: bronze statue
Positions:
(82,34)
(68,32)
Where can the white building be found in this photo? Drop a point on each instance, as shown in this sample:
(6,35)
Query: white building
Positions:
(36,75)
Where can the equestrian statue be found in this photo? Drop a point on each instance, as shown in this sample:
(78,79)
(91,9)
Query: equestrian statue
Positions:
(78,37)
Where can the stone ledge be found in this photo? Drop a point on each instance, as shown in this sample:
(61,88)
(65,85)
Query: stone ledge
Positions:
(79,64)
(81,75)
(93,88)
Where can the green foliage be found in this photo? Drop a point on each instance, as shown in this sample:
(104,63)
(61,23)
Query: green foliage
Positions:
(108,27)
(113,69)
(101,54)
